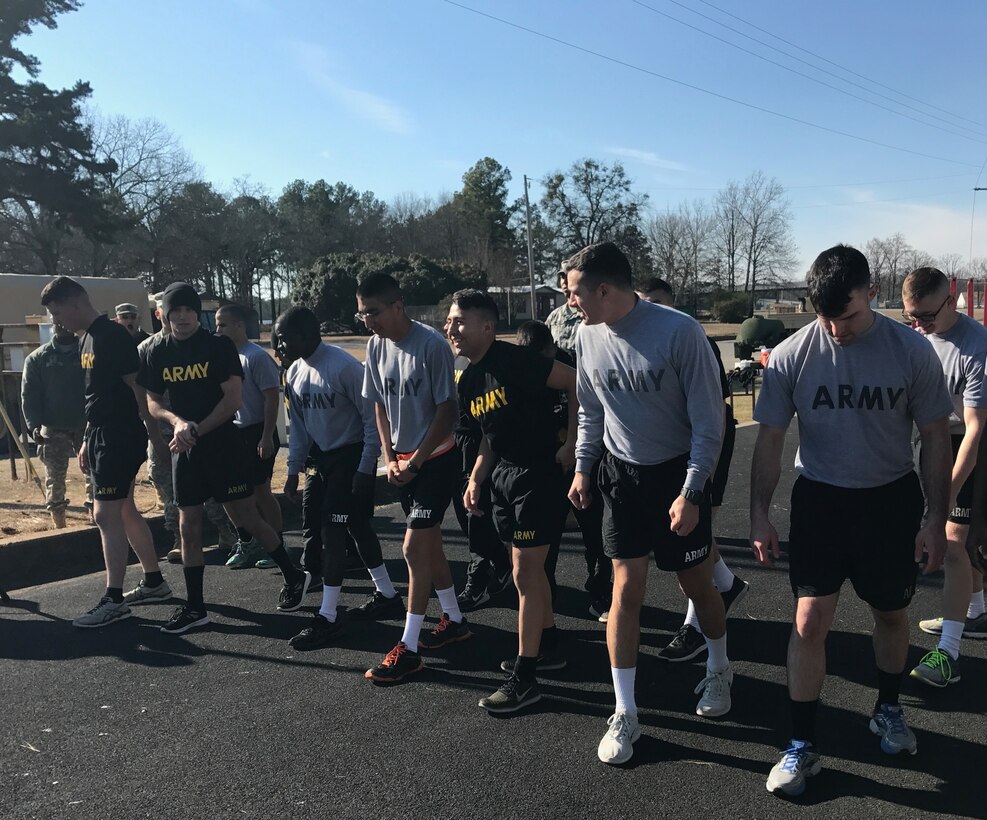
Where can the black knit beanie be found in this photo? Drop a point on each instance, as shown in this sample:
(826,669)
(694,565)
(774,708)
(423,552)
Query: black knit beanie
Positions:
(179,294)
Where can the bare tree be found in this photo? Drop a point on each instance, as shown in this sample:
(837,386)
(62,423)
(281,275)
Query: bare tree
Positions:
(952,265)
(729,233)
(666,236)
(769,250)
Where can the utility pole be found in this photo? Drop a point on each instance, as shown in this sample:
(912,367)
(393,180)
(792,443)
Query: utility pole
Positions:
(973,210)
(531,257)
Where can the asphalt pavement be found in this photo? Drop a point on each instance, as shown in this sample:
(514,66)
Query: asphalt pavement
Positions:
(230,722)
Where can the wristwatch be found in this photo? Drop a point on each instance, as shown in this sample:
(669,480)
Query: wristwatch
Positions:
(692,496)
(413,468)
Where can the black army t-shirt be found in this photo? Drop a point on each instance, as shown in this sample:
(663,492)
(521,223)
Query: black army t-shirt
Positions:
(505,394)
(190,371)
(108,353)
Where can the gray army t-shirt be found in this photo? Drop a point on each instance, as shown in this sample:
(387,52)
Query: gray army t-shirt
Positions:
(855,405)
(410,379)
(962,351)
(260,373)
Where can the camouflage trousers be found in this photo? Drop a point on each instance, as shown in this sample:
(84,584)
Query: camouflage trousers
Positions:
(58,454)
(163,480)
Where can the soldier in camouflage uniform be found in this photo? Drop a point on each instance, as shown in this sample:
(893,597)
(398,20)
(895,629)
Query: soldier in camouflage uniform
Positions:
(564,321)
(53,400)
(159,468)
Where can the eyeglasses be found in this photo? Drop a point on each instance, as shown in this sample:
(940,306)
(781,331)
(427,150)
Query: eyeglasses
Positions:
(924,318)
(363,315)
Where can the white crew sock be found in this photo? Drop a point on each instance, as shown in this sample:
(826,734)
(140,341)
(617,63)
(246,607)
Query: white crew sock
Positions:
(383,581)
(691,618)
(722,576)
(412,629)
(949,642)
(717,661)
(623,689)
(450,606)
(976,608)
(330,600)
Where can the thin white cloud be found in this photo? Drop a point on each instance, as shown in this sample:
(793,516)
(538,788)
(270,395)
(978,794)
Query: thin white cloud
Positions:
(314,62)
(648,158)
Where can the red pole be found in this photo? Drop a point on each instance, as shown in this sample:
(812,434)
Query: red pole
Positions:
(969,297)
(952,286)
(985,303)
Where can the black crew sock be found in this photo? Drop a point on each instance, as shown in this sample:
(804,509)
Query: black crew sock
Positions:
(288,570)
(243,535)
(888,687)
(153,579)
(549,639)
(115,594)
(193,588)
(804,719)
(525,668)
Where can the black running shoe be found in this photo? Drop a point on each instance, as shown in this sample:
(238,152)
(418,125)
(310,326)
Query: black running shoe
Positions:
(378,607)
(473,596)
(515,694)
(445,633)
(735,593)
(600,609)
(318,633)
(684,646)
(184,619)
(292,594)
(397,664)
(500,581)
(550,661)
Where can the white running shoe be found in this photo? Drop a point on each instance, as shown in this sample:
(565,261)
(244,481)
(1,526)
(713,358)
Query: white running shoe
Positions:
(104,613)
(715,687)
(617,745)
(142,593)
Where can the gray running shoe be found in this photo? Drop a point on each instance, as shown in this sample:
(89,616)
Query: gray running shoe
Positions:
(798,762)
(617,745)
(976,628)
(889,724)
(142,593)
(937,669)
(715,687)
(104,613)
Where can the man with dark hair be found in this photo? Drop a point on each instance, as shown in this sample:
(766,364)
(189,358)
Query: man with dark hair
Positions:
(960,342)
(649,391)
(203,377)
(114,444)
(409,377)
(688,642)
(563,322)
(256,421)
(509,393)
(857,381)
(334,430)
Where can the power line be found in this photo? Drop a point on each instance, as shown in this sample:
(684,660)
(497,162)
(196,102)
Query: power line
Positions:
(702,90)
(827,185)
(983,137)
(825,60)
(876,201)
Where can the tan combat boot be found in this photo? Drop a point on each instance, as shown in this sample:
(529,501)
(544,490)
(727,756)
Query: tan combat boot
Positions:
(58,518)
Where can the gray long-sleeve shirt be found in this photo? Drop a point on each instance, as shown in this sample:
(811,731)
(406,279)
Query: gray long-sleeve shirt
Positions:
(649,389)
(328,408)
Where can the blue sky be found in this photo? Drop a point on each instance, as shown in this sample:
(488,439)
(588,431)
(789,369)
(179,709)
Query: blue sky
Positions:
(402,96)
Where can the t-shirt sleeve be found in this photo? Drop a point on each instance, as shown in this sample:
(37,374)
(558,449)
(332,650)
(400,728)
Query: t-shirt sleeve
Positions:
(264,371)
(371,380)
(974,393)
(928,396)
(150,376)
(440,366)
(776,402)
(226,360)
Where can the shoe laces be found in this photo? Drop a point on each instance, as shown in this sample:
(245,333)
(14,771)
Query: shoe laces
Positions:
(392,657)
(511,685)
(106,599)
(713,683)
(682,636)
(795,756)
(620,728)
(443,624)
(937,658)
(894,719)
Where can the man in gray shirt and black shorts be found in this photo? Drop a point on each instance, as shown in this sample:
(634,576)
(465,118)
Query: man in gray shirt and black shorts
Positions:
(649,391)
(857,382)
(408,375)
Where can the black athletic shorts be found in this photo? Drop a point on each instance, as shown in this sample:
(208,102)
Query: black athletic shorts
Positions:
(722,472)
(964,500)
(260,469)
(115,455)
(217,467)
(526,503)
(866,535)
(636,500)
(427,497)
(332,472)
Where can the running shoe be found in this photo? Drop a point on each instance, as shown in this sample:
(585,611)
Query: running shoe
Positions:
(976,628)
(142,593)
(319,632)
(104,613)
(473,596)
(548,661)
(617,745)
(183,619)
(715,701)
(397,664)
(444,633)
(733,595)
(685,644)
(174,555)
(500,581)
(292,594)
(266,563)
(600,609)
(245,555)
(937,669)
(798,762)
(378,607)
(515,694)
(889,724)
